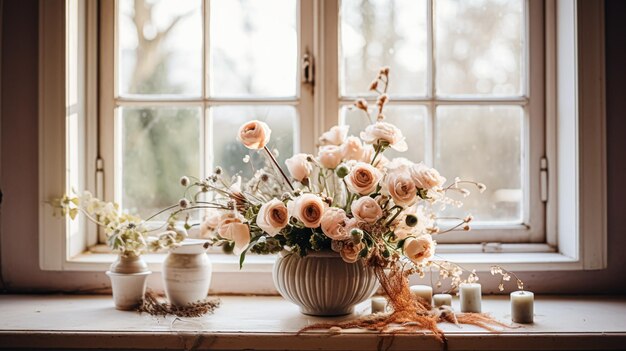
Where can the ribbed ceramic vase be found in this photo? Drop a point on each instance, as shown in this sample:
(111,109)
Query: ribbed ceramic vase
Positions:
(322,284)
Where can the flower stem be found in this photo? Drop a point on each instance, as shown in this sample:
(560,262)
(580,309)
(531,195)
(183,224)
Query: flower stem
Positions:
(273,159)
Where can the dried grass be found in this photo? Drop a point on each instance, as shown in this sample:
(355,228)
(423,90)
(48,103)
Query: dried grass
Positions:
(152,305)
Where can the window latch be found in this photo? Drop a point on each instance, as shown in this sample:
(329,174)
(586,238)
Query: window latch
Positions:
(308,70)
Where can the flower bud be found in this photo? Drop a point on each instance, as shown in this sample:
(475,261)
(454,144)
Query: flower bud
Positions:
(184,181)
(357,235)
(342,171)
(411,220)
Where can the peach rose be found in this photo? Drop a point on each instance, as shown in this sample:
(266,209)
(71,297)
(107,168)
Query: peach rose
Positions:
(299,167)
(329,156)
(335,136)
(384,132)
(308,208)
(363,178)
(352,149)
(400,186)
(420,249)
(366,209)
(231,227)
(426,177)
(210,223)
(335,224)
(350,251)
(254,134)
(272,217)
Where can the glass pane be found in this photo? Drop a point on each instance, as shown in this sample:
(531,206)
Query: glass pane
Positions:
(160,47)
(410,119)
(159,145)
(253,48)
(376,33)
(483,143)
(479,47)
(228,152)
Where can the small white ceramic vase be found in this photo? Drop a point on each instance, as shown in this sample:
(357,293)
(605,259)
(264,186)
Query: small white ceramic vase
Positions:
(187,272)
(128,276)
(322,283)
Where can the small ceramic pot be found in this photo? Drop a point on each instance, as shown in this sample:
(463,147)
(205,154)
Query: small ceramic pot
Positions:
(187,273)
(128,276)
(322,283)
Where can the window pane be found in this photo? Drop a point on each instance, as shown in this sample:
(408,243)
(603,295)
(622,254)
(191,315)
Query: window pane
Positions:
(160,47)
(376,33)
(253,48)
(228,152)
(410,119)
(159,145)
(483,143)
(479,47)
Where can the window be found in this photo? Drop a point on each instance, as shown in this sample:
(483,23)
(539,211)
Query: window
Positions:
(186,75)
(132,113)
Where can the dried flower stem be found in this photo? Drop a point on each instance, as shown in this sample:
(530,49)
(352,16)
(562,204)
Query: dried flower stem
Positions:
(273,159)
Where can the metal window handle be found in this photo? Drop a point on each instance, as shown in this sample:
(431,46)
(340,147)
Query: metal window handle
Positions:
(307,69)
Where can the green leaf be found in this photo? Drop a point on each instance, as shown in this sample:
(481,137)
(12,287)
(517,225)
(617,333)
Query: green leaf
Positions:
(73,213)
(401,243)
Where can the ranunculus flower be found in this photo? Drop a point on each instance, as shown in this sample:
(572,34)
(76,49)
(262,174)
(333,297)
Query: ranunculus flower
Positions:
(384,132)
(330,156)
(400,186)
(254,134)
(426,177)
(350,251)
(366,209)
(308,208)
(335,136)
(231,227)
(352,149)
(272,217)
(363,178)
(335,224)
(299,167)
(420,249)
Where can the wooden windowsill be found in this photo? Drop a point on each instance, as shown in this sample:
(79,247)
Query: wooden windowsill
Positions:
(271,323)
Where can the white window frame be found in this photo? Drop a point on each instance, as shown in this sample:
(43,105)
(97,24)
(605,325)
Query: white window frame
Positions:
(575,116)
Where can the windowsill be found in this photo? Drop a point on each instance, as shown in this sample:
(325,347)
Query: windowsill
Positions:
(518,257)
(90,321)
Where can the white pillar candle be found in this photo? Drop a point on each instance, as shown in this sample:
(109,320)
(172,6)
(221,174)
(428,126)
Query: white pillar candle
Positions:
(442,299)
(470,297)
(379,304)
(522,309)
(423,291)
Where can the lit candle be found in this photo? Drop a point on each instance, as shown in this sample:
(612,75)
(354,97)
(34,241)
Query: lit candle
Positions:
(442,299)
(379,304)
(470,297)
(423,291)
(522,309)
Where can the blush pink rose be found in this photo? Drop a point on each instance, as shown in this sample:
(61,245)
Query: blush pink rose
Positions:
(299,166)
(335,224)
(308,208)
(330,156)
(401,187)
(363,178)
(272,217)
(352,149)
(366,209)
(335,136)
(350,251)
(419,250)
(426,177)
(384,132)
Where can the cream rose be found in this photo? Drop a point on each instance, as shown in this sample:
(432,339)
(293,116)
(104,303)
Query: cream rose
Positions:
(254,134)
(335,136)
(384,132)
(330,156)
(308,208)
(299,167)
(420,249)
(426,177)
(210,223)
(352,149)
(400,186)
(363,178)
(350,251)
(335,224)
(272,217)
(366,210)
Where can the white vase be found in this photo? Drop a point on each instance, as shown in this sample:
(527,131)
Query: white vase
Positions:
(187,273)
(128,276)
(322,284)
